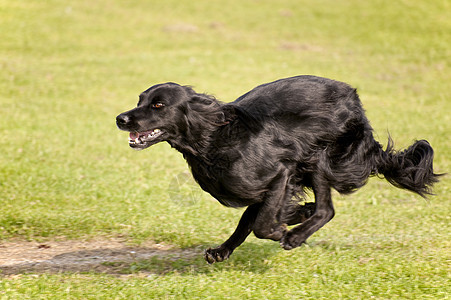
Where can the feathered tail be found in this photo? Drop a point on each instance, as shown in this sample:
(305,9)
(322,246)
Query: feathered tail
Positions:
(410,169)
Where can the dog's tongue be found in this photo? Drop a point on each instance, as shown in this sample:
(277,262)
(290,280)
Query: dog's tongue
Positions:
(134,135)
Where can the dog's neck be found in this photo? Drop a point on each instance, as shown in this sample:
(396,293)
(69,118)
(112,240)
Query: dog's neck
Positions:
(190,148)
(204,116)
(196,141)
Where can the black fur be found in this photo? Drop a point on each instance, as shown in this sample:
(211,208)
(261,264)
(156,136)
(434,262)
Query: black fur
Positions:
(270,145)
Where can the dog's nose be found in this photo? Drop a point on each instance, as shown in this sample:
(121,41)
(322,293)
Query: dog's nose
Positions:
(123,119)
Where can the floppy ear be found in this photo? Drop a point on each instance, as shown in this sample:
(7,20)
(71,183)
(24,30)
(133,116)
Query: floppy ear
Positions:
(199,100)
(206,109)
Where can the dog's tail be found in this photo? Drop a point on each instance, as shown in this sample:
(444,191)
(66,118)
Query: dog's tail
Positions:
(410,169)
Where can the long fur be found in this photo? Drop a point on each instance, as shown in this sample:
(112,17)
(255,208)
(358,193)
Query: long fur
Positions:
(274,143)
(410,169)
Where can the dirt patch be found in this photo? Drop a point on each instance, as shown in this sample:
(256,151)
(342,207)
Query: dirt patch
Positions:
(181,28)
(103,256)
(290,46)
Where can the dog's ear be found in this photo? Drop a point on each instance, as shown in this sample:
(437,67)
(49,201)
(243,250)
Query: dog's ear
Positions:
(202,99)
(205,108)
(230,113)
(198,100)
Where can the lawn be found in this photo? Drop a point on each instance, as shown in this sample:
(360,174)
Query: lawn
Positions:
(67,173)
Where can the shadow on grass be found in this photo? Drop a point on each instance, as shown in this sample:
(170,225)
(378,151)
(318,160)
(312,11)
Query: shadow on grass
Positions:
(126,260)
(249,257)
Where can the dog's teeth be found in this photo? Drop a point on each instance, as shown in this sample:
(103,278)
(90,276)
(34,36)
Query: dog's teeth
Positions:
(156,131)
(137,140)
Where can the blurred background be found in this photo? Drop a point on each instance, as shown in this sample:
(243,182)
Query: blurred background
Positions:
(69,67)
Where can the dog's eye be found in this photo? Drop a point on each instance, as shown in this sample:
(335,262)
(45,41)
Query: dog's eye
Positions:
(157,105)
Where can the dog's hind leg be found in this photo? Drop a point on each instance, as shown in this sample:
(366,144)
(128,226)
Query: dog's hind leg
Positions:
(296,213)
(244,228)
(324,212)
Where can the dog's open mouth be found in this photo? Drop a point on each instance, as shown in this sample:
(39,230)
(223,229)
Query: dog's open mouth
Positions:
(144,139)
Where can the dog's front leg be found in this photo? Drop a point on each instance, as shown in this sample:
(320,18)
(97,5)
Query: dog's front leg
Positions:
(268,224)
(244,228)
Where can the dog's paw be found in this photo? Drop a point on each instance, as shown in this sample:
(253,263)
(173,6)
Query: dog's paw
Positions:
(218,254)
(290,241)
(278,233)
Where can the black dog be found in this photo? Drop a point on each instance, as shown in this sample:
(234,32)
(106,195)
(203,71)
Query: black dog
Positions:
(264,149)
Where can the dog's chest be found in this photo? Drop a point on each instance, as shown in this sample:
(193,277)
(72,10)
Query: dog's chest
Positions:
(223,182)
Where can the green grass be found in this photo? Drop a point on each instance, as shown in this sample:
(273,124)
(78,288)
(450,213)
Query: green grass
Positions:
(66,172)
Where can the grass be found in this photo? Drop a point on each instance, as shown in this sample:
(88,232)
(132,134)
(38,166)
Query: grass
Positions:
(66,172)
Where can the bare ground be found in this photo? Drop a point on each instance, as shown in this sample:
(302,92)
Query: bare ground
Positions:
(109,256)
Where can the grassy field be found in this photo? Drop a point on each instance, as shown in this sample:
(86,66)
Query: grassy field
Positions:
(67,173)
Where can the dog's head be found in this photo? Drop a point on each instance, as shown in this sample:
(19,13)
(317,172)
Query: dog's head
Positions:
(156,117)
